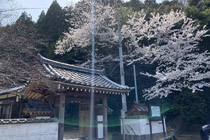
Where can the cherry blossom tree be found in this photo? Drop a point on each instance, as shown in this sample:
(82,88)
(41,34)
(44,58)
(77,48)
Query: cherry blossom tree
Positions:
(171,39)
(79,34)
(172,43)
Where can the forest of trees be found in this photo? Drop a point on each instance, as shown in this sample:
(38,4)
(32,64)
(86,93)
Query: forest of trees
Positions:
(25,38)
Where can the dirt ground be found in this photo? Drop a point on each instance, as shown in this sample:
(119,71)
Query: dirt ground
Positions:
(74,135)
(71,135)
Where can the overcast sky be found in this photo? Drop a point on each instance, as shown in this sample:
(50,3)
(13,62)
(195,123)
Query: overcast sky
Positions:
(34,7)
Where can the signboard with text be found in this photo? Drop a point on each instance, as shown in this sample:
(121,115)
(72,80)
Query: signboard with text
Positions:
(155,112)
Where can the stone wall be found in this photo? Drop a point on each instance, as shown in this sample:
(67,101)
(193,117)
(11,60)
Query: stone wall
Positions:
(29,131)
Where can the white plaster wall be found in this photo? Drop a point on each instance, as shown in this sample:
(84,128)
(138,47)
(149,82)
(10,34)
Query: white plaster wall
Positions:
(29,131)
(131,126)
(140,127)
(144,127)
(157,127)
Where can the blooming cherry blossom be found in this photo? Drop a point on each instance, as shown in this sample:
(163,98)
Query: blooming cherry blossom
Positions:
(174,47)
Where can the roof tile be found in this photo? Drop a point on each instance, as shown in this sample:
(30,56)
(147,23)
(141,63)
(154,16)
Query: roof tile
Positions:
(79,75)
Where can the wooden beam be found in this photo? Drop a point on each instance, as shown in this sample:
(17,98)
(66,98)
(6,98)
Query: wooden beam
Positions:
(35,96)
(21,109)
(10,111)
(27,94)
(82,95)
(38,96)
(105,107)
(31,95)
(5,96)
(61,116)
(69,99)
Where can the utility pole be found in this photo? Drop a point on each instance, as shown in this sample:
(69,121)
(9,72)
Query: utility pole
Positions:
(135,82)
(124,103)
(122,77)
(92,100)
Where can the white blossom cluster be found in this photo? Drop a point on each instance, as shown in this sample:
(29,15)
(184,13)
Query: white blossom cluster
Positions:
(173,40)
(79,34)
(172,43)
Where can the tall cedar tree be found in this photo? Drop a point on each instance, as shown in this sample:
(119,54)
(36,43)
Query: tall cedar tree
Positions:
(53,24)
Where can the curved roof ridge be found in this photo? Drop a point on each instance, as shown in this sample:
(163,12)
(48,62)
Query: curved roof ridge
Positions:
(12,89)
(106,78)
(68,66)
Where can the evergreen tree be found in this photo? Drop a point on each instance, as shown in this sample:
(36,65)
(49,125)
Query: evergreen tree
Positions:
(200,10)
(40,22)
(111,2)
(136,5)
(193,2)
(207,2)
(24,25)
(24,19)
(150,2)
(53,24)
(167,6)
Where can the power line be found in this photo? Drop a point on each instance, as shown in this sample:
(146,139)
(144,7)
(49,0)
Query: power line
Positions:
(18,9)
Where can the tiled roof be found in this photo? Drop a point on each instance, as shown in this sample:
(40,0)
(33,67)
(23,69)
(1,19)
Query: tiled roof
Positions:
(137,111)
(141,107)
(79,75)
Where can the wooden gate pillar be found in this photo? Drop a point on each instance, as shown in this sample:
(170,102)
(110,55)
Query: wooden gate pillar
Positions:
(61,116)
(105,107)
